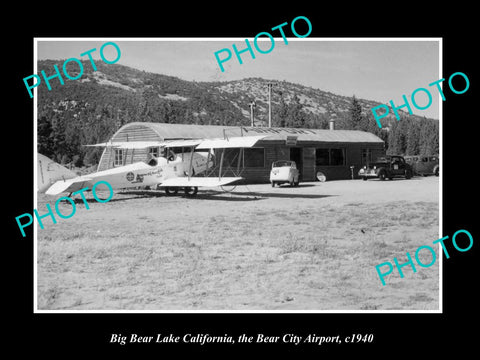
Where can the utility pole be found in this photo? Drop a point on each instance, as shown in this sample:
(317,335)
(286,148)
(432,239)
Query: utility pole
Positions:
(252,106)
(269,104)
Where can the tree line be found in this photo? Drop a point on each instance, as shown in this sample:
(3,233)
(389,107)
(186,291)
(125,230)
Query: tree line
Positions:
(408,136)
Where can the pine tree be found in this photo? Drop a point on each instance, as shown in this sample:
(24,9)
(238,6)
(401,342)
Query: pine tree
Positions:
(296,116)
(44,137)
(397,138)
(58,138)
(280,113)
(435,139)
(392,146)
(412,137)
(354,120)
(429,137)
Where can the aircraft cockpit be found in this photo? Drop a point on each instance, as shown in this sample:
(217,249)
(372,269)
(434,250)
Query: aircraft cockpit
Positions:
(165,153)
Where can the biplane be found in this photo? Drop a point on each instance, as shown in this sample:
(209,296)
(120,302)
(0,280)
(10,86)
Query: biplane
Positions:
(170,171)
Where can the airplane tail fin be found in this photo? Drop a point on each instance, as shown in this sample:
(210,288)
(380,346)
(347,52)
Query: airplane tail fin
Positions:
(48,172)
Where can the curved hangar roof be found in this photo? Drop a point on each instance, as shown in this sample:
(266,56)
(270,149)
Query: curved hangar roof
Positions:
(143,131)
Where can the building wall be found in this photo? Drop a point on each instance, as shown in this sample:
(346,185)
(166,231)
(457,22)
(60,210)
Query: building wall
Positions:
(256,174)
(353,157)
(308,168)
(130,133)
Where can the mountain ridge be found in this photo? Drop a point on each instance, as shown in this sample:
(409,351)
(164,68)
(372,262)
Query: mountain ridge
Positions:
(243,92)
(90,109)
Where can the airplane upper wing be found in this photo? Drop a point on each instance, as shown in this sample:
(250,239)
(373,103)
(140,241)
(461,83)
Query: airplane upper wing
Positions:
(182,143)
(129,144)
(199,181)
(70,185)
(232,142)
(145,144)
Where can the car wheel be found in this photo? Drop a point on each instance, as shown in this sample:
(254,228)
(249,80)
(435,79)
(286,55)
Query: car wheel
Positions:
(171,191)
(273,183)
(191,190)
(408,174)
(365,178)
(436,172)
(382,175)
(321,176)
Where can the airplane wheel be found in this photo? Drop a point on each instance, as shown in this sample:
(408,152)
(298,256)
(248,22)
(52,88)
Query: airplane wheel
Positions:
(191,191)
(171,191)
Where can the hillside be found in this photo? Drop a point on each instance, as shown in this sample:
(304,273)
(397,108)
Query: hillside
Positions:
(314,101)
(92,108)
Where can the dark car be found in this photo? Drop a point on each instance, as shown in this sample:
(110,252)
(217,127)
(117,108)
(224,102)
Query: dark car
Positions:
(424,165)
(387,167)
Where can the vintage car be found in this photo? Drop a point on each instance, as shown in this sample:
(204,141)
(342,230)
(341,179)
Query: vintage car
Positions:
(387,167)
(284,171)
(424,165)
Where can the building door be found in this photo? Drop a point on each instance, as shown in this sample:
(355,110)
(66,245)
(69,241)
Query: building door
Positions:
(296,154)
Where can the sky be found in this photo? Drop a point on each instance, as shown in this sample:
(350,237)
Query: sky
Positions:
(370,68)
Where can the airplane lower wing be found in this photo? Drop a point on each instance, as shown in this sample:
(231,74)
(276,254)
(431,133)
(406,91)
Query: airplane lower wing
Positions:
(70,185)
(199,181)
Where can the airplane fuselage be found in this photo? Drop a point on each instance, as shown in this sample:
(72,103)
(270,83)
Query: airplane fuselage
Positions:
(139,174)
(143,174)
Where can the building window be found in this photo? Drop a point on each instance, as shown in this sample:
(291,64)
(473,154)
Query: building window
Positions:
(154,151)
(330,157)
(322,157)
(366,156)
(254,157)
(119,157)
(337,157)
(230,157)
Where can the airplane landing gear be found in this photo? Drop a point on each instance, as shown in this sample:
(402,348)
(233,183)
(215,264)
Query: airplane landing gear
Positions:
(189,190)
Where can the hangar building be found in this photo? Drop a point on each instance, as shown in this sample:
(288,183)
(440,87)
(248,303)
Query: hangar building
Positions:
(333,152)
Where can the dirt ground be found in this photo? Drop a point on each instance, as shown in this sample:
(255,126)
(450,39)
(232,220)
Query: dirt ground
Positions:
(312,247)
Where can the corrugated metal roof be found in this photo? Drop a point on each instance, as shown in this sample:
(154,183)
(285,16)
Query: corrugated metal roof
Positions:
(187,131)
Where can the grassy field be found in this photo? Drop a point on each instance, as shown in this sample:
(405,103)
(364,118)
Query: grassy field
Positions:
(314,247)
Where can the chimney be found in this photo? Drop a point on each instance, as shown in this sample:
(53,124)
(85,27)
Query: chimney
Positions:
(332,124)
